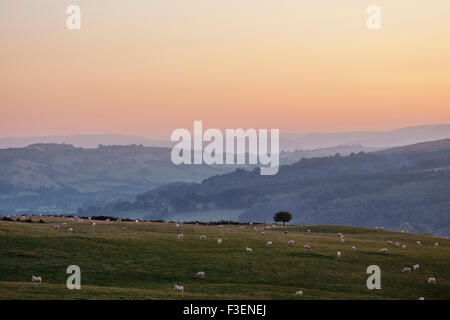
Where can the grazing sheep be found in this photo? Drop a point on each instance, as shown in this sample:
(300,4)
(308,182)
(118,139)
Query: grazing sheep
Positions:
(290,242)
(180,236)
(418,242)
(178,288)
(255,229)
(263,233)
(177,225)
(307,246)
(339,254)
(269,243)
(404,246)
(249,249)
(70,230)
(124,228)
(342,240)
(299,293)
(36,279)
(56,226)
(436,244)
(309,230)
(93,223)
(108,220)
(389,242)
(406,270)
(383,250)
(202,237)
(340,234)
(354,248)
(421,298)
(381,228)
(431,280)
(201,275)
(397,244)
(137,221)
(64,224)
(415,267)
(285,231)
(219,242)
(220,226)
(79,220)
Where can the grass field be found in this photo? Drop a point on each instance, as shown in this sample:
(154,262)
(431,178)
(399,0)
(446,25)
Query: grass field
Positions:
(146,260)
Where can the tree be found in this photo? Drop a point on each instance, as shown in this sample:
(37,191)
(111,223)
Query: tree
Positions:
(282,216)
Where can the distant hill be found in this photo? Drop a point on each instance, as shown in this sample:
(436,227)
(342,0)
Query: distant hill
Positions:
(429,146)
(374,139)
(398,189)
(288,141)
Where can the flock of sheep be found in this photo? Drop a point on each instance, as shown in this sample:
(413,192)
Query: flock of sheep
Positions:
(202,274)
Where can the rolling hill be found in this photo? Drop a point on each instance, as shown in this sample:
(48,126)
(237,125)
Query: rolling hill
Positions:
(403,190)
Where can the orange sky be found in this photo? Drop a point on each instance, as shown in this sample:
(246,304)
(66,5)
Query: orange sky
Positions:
(147,67)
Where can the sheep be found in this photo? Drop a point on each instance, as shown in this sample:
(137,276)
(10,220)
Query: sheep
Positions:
(108,220)
(389,242)
(71,220)
(340,234)
(202,237)
(137,221)
(354,248)
(56,226)
(342,241)
(201,275)
(119,220)
(291,242)
(431,280)
(418,242)
(436,244)
(177,225)
(249,249)
(124,228)
(404,246)
(307,246)
(220,226)
(219,242)
(36,279)
(397,244)
(421,298)
(309,230)
(299,293)
(383,250)
(64,224)
(79,220)
(406,270)
(415,267)
(93,223)
(180,236)
(339,254)
(263,233)
(269,243)
(70,230)
(178,288)
(285,231)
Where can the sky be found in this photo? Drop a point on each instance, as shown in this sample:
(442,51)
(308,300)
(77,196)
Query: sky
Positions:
(145,67)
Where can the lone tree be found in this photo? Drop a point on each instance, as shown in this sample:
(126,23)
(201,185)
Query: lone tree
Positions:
(282,216)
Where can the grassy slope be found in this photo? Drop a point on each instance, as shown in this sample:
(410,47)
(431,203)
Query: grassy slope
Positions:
(147,260)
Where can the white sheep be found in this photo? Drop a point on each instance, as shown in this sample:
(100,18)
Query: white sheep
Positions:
(389,242)
(180,236)
(202,237)
(397,244)
(299,293)
(137,221)
(64,224)
(262,232)
(178,288)
(249,249)
(436,244)
(339,254)
(177,225)
(70,230)
(309,230)
(307,246)
(219,242)
(36,279)
(418,242)
(220,226)
(201,275)
(354,248)
(415,267)
(124,228)
(421,298)
(431,280)
(404,246)
(269,243)
(383,250)
(56,226)
(406,270)
(342,241)
(291,242)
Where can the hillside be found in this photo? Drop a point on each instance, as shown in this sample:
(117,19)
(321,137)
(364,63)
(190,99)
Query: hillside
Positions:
(401,190)
(146,260)
(63,176)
